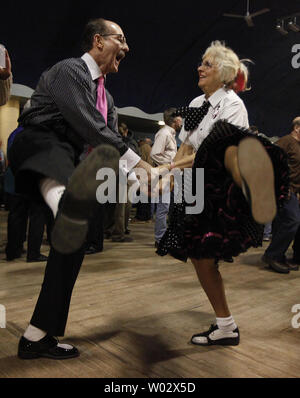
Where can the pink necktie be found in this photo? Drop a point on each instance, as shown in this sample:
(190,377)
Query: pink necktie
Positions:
(101,104)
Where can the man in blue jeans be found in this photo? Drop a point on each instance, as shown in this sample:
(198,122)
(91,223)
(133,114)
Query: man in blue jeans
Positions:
(163,152)
(286,225)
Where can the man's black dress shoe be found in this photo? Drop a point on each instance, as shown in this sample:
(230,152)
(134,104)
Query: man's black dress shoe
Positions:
(41,257)
(12,258)
(92,250)
(278,266)
(47,347)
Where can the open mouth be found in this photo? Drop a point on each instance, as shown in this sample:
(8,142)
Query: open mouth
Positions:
(120,56)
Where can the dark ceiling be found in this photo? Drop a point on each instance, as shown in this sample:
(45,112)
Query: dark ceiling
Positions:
(166,39)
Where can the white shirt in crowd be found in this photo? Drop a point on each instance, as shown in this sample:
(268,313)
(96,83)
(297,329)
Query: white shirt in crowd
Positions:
(225,105)
(164,148)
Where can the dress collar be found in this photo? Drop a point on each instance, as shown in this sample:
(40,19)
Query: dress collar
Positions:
(217,96)
(171,130)
(92,65)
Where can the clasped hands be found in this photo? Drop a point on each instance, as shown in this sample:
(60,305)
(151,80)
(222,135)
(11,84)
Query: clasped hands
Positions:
(156,181)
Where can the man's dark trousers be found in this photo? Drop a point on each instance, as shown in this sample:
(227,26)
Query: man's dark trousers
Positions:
(296,247)
(284,229)
(52,308)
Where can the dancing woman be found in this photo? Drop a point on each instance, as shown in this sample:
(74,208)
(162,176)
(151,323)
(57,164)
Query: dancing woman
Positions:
(246,178)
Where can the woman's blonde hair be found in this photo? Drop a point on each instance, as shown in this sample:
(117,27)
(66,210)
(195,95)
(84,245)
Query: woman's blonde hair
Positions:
(228,64)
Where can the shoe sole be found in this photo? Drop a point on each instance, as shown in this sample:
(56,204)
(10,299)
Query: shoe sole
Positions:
(71,225)
(227,341)
(35,355)
(257,173)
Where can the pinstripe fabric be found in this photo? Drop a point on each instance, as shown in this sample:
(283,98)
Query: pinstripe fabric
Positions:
(66,95)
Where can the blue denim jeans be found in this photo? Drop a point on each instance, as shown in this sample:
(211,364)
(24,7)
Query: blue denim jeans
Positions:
(162,210)
(284,229)
(268,230)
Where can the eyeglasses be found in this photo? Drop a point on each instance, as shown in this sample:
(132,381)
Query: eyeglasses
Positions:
(121,38)
(205,64)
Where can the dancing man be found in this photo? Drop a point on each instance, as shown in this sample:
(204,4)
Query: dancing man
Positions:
(70,113)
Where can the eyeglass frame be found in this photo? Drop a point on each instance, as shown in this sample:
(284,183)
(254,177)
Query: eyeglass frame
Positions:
(122,38)
(205,64)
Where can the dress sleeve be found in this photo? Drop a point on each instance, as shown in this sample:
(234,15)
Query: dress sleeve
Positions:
(236,114)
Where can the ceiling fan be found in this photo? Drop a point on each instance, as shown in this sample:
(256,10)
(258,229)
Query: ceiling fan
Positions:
(248,17)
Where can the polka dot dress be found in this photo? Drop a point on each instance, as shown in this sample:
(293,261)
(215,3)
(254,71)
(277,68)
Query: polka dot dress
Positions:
(225,227)
(193,116)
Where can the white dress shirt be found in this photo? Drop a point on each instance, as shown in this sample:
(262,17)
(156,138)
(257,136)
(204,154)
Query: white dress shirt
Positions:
(130,156)
(164,148)
(225,105)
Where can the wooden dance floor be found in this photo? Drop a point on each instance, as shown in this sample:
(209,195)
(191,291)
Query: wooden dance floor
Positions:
(133,313)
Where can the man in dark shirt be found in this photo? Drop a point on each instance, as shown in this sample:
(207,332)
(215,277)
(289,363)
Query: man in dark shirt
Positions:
(285,227)
(70,113)
(128,138)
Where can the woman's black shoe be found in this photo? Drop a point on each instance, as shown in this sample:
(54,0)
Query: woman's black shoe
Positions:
(47,347)
(208,338)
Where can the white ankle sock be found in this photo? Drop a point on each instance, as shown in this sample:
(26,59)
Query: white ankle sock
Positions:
(226,324)
(51,191)
(33,333)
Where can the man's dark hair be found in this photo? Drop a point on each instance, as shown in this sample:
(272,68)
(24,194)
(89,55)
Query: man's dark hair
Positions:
(94,26)
(169,116)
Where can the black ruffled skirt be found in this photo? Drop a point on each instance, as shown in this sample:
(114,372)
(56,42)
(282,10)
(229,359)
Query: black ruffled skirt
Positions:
(225,227)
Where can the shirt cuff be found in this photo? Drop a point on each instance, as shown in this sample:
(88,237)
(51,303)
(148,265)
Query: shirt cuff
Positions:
(183,135)
(132,178)
(129,160)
